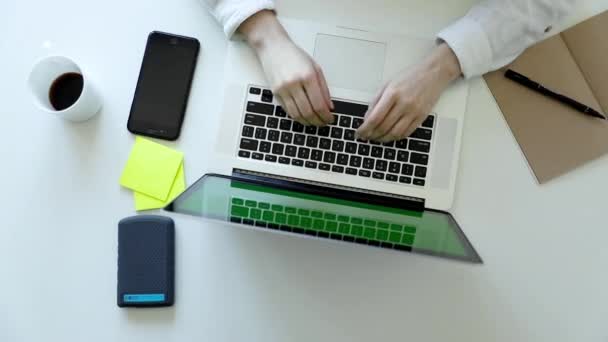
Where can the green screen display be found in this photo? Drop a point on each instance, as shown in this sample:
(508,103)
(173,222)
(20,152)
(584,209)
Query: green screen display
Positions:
(274,208)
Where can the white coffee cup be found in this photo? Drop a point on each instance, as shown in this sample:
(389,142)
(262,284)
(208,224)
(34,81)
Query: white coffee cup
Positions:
(45,72)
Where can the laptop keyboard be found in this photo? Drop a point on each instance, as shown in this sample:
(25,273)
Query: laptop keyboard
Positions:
(269,135)
(322,224)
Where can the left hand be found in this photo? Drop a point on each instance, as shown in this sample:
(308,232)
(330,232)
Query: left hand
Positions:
(405,101)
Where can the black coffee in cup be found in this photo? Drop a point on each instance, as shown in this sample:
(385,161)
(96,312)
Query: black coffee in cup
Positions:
(66,90)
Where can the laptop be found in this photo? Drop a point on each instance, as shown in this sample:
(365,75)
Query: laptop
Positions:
(258,142)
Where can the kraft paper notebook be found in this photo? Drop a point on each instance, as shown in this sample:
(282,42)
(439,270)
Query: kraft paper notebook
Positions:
(554,138)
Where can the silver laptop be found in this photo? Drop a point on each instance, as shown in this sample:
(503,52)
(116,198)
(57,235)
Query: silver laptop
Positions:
(256,138)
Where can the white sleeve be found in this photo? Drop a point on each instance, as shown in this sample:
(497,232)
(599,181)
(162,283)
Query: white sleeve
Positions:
(231,13)
(495,32)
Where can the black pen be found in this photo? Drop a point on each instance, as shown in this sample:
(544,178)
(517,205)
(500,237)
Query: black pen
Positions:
(528,83)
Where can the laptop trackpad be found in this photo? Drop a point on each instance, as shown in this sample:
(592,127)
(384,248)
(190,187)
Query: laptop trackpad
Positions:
(350,63)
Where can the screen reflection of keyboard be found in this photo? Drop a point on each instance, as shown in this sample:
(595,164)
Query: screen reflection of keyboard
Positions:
(323,224)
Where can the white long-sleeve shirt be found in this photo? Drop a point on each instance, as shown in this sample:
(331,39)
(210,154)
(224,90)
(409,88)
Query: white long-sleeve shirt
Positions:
(491,35)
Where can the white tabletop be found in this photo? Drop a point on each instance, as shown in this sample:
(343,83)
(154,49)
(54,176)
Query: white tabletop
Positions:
(544,277)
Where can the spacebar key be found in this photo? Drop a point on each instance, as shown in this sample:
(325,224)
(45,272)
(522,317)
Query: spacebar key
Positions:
(349,108)
(249,144)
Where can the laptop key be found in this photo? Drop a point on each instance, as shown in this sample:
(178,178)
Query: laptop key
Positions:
(405,180)
(277,149)
(377,152)
(420,171)
(407,169)
(418,158)
(389,153)
(257,156)
(349,108)
(351,148)
(419,182)
(297,127)
(297,162)
(310,130)
(351,171)
(329,157)
(364,173)
(357,122)
(368,163)
(244,154)
(336,132)
(299,139)
(325,143)
(345,121)
(420,146)
(324,167)
(270,158)
(355,161)
(311,165)
(429,122)
(247,131)
(260,108)
(260,133)
(286,137)
(381,165)
(378,175)
(401,143)
(254,91)
(265,146)
(312,141)
(337,169)
(337,145)
(284,160)
(267,95)
(394,167)
(285,125)
(342,159)
(249,144)
(403,156)
(273,135)
(272,122)
(363,150)
(389,144)
(303,153)
(255,120)
(280,112)
(291,151)
(323,131)
(316,155)
(349,134)
(422,133)
(392,178)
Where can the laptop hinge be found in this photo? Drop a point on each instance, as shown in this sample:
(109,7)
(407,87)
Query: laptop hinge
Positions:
(333,190)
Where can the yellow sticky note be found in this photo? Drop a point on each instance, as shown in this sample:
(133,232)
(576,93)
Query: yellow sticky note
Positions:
(151,169)
(145,202)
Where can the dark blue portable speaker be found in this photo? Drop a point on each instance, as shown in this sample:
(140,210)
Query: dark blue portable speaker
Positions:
(146,261)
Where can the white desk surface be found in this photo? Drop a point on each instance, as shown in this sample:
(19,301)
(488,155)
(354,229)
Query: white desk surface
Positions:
(545,275)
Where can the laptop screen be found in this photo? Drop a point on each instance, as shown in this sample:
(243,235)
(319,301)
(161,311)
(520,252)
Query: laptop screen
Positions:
(266,206)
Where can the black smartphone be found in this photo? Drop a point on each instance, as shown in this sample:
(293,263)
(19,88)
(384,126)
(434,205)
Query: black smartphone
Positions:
(163,87)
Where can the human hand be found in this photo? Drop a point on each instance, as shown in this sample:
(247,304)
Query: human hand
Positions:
(294,77)
(405,101)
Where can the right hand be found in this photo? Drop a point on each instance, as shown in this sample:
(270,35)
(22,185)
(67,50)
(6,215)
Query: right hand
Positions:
(294,77)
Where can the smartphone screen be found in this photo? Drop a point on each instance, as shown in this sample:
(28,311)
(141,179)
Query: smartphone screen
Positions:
(161,96)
